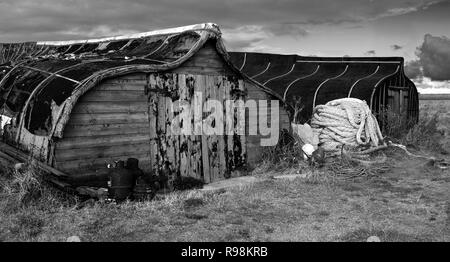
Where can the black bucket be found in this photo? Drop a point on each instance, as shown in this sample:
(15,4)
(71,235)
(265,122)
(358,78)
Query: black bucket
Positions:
(122,182)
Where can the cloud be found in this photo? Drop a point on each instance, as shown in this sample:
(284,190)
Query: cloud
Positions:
(370,52)
(427,86)
(434,57)
(295,30)
(413,69)
(27,20)
(244,37)
(396,47)
(405,7)
(431,72)
(251,38)
(399,11)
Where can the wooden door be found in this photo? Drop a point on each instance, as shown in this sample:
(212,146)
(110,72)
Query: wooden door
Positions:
(398,98)
(206,157)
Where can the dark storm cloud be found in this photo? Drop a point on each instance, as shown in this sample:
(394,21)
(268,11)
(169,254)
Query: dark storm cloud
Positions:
(434,57)
(413,69)
(22,20)
(396,47)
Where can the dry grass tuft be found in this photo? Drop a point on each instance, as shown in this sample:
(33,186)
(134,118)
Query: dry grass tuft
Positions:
(26,200)
(344,168)
(396,125)
(424,134)
(25,185)
(28,224)
(286,155)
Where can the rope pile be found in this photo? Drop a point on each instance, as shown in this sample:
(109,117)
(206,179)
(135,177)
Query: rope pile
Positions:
(346,121)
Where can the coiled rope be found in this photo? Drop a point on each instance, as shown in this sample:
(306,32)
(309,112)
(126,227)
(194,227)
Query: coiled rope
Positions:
(345,122)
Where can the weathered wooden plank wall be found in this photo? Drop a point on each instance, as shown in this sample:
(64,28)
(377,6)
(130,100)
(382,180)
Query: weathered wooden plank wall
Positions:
(193,154)
(109,122)
(254,142)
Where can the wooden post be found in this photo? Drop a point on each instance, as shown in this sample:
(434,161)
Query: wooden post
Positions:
(231,126)
(221,138)
(205,152)
(153,115)
(184,160)
(242,120)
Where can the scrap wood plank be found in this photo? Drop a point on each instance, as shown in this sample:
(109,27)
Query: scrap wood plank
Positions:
(62,185)
(10,159)
(21,156)
(92,192)
(13,155)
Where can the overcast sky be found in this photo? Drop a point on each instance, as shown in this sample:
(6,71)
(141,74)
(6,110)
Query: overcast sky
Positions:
(418,30)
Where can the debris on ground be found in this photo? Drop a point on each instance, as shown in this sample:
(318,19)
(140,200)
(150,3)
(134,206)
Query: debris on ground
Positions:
(304,133)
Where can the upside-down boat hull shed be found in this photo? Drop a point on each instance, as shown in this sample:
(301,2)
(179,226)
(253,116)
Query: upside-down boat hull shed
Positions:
(380,81)
(80,105)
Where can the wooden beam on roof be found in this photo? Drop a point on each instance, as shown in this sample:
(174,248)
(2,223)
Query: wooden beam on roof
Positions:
(262,72)
(381,80)
(279,76)
(323,82)
(362,78)
(298,79)
(50,73)
(243,63)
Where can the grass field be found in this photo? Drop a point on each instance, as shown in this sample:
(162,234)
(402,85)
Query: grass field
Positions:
(441,107)
(407,200)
